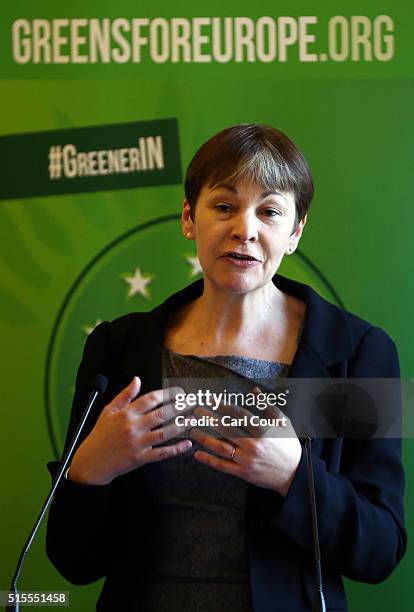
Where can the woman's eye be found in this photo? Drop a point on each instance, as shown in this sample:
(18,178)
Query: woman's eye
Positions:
(223,208)
(271,212)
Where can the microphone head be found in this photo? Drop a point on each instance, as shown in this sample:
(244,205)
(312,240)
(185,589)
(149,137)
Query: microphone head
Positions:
(100,383)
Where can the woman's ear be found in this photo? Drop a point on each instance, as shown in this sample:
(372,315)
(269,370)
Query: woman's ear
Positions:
(187,223)
(295,236)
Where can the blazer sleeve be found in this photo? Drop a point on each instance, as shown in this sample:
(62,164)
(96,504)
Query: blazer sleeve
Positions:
(360,508)
(77,522)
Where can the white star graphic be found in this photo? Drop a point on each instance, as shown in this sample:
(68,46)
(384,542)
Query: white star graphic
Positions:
(195,265)
(88,329)
(138,283)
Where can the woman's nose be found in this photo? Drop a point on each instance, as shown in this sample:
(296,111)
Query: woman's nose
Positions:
(245,228)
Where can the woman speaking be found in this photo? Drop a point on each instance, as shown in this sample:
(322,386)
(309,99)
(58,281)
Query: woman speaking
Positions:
(173,516)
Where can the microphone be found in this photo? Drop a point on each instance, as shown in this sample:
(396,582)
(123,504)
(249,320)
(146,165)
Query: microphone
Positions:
(318,600)
(99,386)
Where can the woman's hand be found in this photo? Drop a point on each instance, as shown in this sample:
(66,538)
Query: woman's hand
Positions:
(268,459)
(124,436)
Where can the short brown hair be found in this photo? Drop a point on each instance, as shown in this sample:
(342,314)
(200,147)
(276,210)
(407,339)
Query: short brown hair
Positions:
(258,153)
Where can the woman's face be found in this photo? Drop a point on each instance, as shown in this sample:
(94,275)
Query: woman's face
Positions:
(242,233)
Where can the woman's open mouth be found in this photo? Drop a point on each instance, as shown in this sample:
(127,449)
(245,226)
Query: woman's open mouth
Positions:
(241,260)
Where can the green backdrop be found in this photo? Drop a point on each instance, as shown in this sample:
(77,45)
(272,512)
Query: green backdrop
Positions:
(341,87)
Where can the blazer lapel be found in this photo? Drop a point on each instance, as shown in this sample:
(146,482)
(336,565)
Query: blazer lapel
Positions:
(152,333)
(307,364)
(326,337)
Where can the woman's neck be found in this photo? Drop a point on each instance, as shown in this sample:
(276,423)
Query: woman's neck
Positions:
(263,325)
(234,313)
(237,322)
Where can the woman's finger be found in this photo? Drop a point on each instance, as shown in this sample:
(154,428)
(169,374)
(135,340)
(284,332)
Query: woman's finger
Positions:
(264,397)
(217,427)
(167,452)
(222,465)
(248,424)
(224,448)
(124,397)
(153,399)
(165,433)
(161,415)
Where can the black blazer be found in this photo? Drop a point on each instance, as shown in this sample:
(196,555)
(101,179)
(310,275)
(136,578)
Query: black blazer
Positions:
(96,531)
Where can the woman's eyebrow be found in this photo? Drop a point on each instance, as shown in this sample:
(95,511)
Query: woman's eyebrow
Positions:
(233,189)
(265,194)
(225,186)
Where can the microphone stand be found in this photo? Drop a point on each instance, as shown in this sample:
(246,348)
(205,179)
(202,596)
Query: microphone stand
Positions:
(99,387)
(319,600)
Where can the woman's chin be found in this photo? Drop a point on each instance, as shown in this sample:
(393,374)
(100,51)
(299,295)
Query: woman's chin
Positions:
(237,284)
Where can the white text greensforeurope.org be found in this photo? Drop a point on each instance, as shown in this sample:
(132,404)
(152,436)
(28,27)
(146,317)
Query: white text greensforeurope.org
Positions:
(160,40)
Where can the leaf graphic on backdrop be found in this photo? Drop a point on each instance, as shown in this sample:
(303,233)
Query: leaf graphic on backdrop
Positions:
(83,202)
(95,215)
(15,254)
(48,229)
(13,311)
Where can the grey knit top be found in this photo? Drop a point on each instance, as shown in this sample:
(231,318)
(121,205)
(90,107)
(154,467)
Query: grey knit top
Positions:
(199,552)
